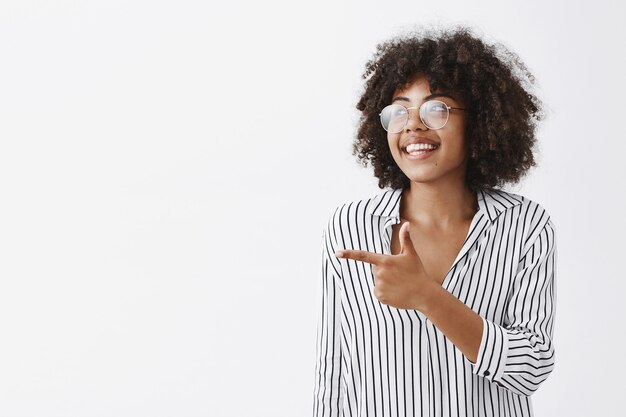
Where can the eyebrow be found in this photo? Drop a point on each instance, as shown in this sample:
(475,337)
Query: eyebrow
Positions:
(425,98)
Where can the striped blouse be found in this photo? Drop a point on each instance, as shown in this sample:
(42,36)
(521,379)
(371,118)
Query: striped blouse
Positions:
(376,360)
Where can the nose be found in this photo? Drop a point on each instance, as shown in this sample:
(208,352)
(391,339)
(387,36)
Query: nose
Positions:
(414,121)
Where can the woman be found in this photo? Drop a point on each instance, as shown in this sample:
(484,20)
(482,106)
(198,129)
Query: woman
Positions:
(439,292)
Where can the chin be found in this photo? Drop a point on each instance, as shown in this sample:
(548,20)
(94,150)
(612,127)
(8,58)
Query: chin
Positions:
(420,177)
(424,172)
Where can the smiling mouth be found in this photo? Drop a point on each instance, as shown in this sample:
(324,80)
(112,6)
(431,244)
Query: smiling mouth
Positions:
(417,152)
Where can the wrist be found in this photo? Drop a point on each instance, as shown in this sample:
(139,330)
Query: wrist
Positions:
(431,297)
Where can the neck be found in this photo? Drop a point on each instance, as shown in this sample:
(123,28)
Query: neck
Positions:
(441,206)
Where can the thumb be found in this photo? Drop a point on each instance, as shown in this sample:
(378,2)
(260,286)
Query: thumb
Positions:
(406,244)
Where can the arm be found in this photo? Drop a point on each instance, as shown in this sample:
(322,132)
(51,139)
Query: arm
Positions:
(462,325)
(327,392)
(519,356)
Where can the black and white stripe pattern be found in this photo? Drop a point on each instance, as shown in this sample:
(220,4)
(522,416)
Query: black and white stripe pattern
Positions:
(376,360)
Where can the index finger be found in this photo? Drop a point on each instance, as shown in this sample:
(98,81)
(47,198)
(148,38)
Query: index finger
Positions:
(360,255)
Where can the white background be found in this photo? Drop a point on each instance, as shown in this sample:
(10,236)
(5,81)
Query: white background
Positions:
(166,169)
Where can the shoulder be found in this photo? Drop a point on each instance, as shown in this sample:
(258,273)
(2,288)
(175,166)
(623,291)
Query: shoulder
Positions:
(510,203)
(347,216)
(384,202)
(528,216)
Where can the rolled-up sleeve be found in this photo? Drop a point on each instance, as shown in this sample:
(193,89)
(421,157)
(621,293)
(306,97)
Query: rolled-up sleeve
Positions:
(327,392)
(520,355)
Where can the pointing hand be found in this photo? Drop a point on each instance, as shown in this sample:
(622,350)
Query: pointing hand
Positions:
(399,280)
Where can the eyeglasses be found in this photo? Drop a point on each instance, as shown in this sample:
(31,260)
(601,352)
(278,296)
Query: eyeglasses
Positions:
(433,113)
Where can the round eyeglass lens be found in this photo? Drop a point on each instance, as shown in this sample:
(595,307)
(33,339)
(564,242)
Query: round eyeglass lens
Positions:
(394,118)
(434,114)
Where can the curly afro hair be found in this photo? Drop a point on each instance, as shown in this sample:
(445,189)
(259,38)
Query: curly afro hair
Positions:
(489,79)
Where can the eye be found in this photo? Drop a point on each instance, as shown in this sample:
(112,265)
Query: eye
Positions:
(398,111)
(437,107)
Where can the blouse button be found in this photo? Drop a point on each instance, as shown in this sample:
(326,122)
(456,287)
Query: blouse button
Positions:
(486,373)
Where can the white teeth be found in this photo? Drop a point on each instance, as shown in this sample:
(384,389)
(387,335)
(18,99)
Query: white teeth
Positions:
(420,146)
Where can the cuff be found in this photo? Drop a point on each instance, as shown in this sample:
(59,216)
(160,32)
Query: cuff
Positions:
(492,352)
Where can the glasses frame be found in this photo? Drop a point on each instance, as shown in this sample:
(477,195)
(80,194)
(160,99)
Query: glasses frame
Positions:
(420,114)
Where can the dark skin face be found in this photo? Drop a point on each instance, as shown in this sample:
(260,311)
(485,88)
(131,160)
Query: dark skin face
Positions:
(449,162)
